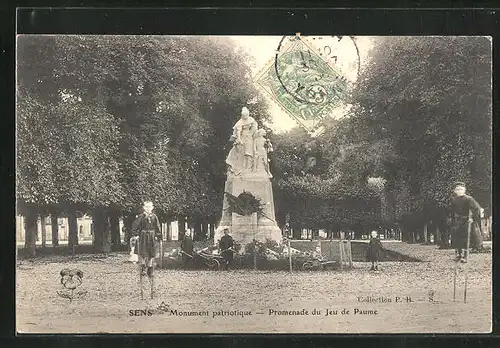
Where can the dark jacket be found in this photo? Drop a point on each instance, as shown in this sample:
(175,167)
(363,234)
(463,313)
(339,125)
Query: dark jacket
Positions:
(226,242)
(375,250)
(187,245)
(147,227)
(147,223)
(459,215)
(460,206)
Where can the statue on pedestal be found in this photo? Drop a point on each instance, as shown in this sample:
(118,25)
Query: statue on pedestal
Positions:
(248,206)
(240,158)
(249,152)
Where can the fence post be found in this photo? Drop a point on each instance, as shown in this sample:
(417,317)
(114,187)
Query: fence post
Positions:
(254,254)
(162,230)
(44,230)
(161,253)
(349,244)
(289,254)
(341,251)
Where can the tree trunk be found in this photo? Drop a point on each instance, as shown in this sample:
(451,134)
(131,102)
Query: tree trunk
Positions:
(204,230)
(296,232)
(197,234)
(128,220)
(426,239)
(54,224)
(44,230)
(181,223)
(102,235)
(31,229)
(358,234)
(166,230)
(437,238)
(212,230)
(72,230)
(114,222)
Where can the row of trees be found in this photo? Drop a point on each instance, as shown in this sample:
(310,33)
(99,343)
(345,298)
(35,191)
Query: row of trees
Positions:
(105,122)
(420,118)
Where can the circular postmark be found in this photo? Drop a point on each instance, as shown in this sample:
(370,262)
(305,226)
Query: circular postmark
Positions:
(309,77)
(306,75)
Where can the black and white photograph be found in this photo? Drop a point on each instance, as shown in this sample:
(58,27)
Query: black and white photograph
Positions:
(253,184)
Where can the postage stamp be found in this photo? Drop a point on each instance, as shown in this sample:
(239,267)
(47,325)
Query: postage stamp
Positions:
(303,82)
(186,201)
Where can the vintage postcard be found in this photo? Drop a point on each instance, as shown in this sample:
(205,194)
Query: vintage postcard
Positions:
(253,184)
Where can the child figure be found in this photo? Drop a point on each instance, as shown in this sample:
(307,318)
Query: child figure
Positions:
(375,250)
(260,152)
(147,228)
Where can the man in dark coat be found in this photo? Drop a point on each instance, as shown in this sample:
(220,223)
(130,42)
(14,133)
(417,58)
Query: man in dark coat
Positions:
(464,210)
(147,227)
(187,247)
(225,243)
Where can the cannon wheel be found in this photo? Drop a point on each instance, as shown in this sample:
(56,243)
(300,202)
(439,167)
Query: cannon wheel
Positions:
(213,264)
(308,266)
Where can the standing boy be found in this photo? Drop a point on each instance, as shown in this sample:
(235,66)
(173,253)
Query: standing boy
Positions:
(375,250)
(147,228)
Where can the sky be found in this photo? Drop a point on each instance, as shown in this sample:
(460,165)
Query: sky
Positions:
(261,50)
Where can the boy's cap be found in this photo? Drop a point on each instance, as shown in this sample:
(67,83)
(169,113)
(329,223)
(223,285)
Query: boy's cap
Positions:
(458,183)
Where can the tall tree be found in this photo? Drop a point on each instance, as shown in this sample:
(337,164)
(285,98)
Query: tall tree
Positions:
(322,182)
(429,100)
(129,118)
(67,149)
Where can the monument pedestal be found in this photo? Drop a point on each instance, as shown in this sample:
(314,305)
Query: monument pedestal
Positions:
(244,229)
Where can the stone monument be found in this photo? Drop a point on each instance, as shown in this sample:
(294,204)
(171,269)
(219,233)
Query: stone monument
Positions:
(248,174)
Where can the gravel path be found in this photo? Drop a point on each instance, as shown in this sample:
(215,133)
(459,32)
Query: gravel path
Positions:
(112,291)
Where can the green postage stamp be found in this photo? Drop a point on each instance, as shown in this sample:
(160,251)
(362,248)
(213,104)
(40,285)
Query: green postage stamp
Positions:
(303,83)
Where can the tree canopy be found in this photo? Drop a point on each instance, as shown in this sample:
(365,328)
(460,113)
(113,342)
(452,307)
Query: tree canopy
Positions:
(106,122)
(116,120)
(420,119)
(429,98)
